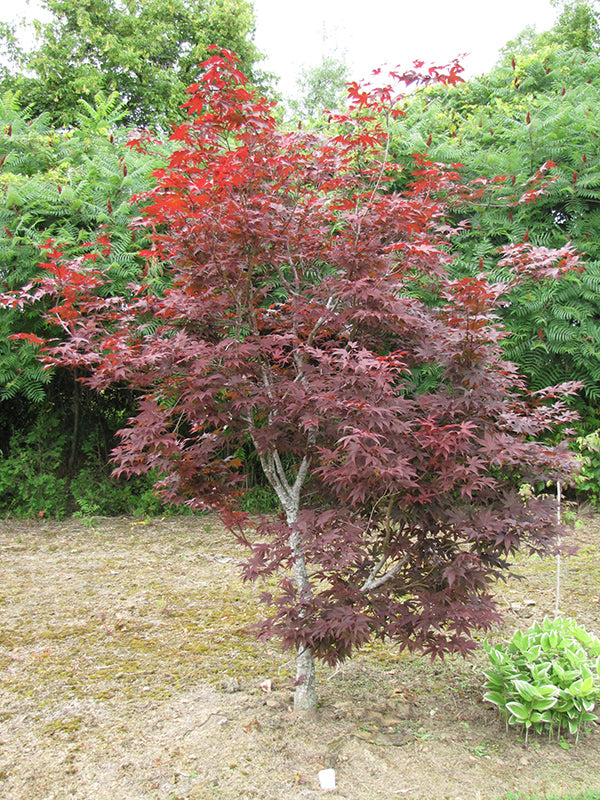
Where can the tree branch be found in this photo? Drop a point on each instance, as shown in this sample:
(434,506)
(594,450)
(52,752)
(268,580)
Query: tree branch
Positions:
(373,583)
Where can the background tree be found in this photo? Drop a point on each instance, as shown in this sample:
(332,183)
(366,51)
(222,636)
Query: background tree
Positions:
(321,88)
(577,28)
(66,185)
(538,107)
(148,51)
(392,430)
(578,25)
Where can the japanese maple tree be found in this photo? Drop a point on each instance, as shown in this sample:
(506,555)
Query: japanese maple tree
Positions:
(310,316)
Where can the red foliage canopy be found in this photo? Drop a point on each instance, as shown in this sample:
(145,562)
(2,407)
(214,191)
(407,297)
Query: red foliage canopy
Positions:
(310,315)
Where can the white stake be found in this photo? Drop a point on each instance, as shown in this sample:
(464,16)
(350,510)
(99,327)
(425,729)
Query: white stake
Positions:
(558,516)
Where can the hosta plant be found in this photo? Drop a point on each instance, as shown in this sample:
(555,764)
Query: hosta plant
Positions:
(546,678)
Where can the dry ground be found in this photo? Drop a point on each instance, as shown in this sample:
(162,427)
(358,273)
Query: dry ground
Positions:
(126,674)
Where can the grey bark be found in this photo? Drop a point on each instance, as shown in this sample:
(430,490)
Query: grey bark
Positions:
(305,694)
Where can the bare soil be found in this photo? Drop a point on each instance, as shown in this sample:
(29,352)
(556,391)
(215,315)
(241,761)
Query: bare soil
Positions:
(126,673)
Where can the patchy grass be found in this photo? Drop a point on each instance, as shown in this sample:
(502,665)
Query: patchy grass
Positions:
(126,671)
(585,796)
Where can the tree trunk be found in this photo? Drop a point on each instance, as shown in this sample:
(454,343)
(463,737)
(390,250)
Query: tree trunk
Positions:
(305,695)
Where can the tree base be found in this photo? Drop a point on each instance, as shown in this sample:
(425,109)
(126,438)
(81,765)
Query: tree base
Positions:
(305,695)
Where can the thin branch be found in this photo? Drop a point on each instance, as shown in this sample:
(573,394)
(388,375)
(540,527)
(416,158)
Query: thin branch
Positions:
(329,305)
(304,466)
(372,583)
(379,177)
(280,471)
(385,158)
(375,570)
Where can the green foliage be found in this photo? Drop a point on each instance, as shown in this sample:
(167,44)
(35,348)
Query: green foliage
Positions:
(34,481)
(260,500)
(540,104)
(146,50)
(588,479)
(31,483)
(66,185)
(321,88)
(546,679)
(556,335)
(578,25)
(93,493)
(577,28)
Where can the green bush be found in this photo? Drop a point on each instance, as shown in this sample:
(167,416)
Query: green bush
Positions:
(588,479)
(30,480)
(33,482)
(546,678)
(260,500)
(93,493)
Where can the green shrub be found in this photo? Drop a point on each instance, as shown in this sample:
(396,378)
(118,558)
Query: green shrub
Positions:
(260,500)
(588,479)
(94,493)
(546,678)
(33,481)
(30,479)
